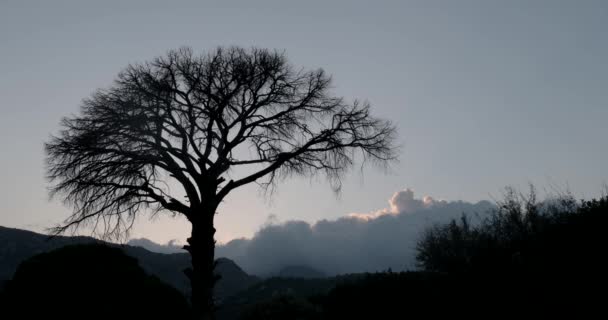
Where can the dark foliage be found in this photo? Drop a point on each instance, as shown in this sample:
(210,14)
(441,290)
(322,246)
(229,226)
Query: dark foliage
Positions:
(89,281)
(545,256)
(523,235)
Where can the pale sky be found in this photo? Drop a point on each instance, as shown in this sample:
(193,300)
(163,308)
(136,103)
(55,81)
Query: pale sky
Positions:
(484,93)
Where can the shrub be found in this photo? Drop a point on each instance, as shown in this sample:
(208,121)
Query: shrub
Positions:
(92,280)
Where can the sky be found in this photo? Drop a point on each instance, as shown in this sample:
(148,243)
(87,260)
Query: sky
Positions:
(484,94)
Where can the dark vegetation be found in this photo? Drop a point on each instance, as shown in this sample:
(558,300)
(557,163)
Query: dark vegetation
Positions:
(90,281)
(18,245)
(528,258)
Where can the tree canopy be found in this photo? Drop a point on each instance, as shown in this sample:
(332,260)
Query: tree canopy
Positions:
(210,123)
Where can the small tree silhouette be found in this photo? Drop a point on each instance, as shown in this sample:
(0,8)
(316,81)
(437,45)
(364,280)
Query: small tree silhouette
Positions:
(200,127)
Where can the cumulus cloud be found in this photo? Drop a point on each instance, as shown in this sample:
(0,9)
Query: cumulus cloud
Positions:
(358,242)
(402,202)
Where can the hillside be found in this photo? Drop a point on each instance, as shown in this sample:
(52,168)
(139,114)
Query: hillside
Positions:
(302,272)
(17,245)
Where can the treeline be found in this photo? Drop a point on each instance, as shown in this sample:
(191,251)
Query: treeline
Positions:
(528,258)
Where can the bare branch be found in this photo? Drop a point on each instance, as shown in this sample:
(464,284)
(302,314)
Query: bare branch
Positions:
(191,119)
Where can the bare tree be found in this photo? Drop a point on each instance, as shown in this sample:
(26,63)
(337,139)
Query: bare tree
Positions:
(207,124)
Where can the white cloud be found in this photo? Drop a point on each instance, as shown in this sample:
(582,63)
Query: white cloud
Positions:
(402,202)
(358,242)
(375,241)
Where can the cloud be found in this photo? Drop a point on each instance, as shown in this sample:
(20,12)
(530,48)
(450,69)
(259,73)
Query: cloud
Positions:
(358,242)
(402,202)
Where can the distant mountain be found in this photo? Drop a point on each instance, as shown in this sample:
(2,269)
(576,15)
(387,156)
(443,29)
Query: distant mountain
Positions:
(149,245)
(267,289)
(302,272)
(17,245)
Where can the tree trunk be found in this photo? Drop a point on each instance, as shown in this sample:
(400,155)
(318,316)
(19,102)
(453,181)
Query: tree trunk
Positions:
(201,246)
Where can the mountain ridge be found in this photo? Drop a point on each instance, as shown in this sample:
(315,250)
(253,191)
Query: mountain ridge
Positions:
(17,245)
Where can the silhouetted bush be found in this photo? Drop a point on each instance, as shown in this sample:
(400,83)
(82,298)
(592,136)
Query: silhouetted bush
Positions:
(90,281)
(528,255)
(522,234)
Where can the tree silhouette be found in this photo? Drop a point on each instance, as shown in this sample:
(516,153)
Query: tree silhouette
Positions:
(179,133)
